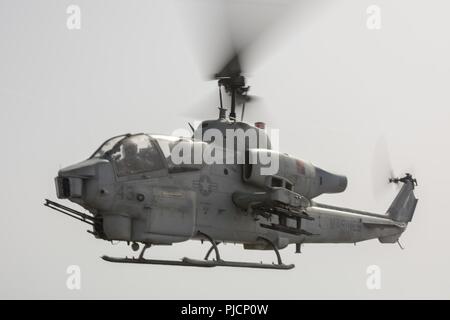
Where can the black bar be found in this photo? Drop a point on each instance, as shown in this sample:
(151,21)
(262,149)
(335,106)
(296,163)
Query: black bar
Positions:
(223,309)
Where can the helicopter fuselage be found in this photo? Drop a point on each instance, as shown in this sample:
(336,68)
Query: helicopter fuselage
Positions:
(159,202)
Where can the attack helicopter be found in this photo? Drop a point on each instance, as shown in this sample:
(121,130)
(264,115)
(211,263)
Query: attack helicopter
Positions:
(146,190)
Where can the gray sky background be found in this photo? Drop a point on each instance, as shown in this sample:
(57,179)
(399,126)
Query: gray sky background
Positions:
(333,87)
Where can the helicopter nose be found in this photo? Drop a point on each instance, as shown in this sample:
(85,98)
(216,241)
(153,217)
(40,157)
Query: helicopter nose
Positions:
(71,180)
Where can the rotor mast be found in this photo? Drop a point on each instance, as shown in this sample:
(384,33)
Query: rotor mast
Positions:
(235,87)
(234,83)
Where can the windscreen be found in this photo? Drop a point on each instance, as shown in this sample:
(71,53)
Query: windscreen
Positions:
(107,146)
(135,155)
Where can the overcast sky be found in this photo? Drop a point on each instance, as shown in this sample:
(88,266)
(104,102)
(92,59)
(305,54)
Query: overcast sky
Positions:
(335,88)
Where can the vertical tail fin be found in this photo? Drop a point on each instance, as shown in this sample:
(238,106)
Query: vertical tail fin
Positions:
(403,207)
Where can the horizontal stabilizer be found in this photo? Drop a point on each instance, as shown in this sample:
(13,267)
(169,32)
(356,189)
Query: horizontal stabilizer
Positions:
(380,223)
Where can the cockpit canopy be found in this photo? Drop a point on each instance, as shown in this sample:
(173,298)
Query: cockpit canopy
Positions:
(132,154)
(142,153)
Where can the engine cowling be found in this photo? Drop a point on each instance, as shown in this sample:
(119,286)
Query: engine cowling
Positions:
(268,168)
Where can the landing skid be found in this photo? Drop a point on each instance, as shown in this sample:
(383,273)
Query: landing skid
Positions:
(224,263)
(145,261)
(188,262)
(218,262)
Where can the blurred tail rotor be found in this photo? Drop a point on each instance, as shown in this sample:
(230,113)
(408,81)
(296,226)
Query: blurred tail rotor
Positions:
(385,178)
(382,169)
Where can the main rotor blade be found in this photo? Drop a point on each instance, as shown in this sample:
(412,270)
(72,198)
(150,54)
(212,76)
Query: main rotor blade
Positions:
(224,31)
(231,69)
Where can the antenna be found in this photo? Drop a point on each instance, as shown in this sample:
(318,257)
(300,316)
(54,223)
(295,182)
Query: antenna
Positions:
(243,110)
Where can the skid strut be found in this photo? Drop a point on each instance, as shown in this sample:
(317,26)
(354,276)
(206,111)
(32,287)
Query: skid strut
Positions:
(213,247)
(218,262)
